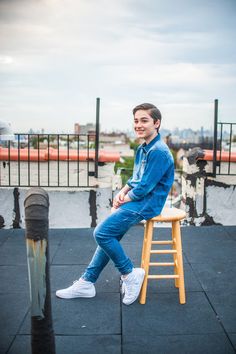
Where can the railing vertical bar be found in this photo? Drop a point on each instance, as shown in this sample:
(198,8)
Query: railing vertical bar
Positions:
(58,164)
(88,160)
(9,162)
(68,157)
(221,137)
(38,162)
(215,137)
(97,136)
(28,135)
(78,140)
(1,168)
(48,135)
(230,145)
(18,145)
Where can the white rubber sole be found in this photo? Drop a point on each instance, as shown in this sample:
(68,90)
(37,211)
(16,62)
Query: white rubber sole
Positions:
(68,297)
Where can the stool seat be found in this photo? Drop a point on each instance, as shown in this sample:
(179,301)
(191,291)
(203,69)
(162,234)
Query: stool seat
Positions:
(174,250)
(170,214)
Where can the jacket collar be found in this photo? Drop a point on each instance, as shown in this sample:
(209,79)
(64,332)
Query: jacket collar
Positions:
(147,147)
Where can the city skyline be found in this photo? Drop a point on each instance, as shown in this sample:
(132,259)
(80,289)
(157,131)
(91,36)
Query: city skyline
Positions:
(201,132)
(56,58)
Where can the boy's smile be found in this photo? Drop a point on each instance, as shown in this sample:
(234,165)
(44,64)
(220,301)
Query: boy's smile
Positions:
(144,126)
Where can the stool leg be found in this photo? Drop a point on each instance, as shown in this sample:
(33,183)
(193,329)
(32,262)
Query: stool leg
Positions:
(180,269)
(175,255)
(144,244)
(146,259)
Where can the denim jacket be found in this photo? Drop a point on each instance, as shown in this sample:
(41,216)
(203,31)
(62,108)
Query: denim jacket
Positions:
(152,178)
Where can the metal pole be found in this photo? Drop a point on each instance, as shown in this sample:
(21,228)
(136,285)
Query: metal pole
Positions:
(36,223)
(215,137)
(97,136)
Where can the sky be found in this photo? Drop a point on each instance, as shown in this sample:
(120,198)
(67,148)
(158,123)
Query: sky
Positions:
(58,56)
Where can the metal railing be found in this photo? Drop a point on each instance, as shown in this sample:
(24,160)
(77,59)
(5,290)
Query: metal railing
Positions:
(228,147)
(224,146)
(49,160)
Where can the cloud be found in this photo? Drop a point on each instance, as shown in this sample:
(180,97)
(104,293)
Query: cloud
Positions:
(57,57)
(6,60)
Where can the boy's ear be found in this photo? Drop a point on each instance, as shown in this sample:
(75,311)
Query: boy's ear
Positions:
(157,123)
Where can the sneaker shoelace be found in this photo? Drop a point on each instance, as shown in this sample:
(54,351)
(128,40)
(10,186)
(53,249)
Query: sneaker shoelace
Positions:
(75,281)
(127,288)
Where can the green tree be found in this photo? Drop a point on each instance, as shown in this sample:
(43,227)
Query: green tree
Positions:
(126,168)
(134,145)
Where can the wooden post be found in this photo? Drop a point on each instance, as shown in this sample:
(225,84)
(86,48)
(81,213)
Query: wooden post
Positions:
(36,227)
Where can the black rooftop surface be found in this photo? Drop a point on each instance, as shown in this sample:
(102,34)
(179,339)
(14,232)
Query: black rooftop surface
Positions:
(205,324)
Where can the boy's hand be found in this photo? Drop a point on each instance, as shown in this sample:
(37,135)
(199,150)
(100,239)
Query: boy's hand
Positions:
(127,199)
(120,198)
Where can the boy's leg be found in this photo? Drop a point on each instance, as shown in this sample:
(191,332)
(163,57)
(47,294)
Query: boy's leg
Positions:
(108,235)
(95,267)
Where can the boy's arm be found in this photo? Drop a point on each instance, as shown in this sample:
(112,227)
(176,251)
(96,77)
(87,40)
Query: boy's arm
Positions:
(120,197)
(158,163)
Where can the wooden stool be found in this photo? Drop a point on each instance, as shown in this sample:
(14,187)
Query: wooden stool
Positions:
(174,216)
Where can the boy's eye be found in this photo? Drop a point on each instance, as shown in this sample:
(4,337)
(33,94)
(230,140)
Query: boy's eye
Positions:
(141,121)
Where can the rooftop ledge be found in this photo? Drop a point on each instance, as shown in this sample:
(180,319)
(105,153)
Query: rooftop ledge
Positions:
(207,155)
(14,154)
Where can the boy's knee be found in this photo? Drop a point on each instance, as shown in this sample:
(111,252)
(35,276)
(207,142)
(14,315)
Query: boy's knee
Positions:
(100,237)
(96,235)
(95,231)
(99,240)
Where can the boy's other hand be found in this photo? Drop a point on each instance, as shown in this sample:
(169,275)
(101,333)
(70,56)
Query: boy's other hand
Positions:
(120,198)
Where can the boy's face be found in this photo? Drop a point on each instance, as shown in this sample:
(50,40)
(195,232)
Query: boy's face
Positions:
(144,125)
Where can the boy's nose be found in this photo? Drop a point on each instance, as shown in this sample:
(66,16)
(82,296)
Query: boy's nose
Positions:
(138,124)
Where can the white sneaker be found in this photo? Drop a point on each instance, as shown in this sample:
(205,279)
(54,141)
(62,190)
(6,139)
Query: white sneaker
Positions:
(132,285)
(79,288)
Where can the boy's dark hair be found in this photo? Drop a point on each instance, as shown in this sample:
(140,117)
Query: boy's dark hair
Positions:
(153,111)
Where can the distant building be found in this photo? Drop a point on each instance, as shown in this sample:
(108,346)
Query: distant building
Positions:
(76,128)
(89,128)
(116,138)
(116,142)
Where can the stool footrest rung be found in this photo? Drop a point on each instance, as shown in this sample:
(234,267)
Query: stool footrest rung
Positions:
(160,264)
(169,276)
(162,242)
(163,251)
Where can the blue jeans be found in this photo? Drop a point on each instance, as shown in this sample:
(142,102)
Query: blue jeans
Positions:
(107,235)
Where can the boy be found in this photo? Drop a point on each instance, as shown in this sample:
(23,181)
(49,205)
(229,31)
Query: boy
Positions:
(143,197)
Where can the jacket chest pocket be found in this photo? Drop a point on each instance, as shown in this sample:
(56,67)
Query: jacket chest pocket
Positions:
(142,167)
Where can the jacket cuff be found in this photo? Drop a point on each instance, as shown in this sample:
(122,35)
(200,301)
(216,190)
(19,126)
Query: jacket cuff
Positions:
(132,195)
(129,184)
